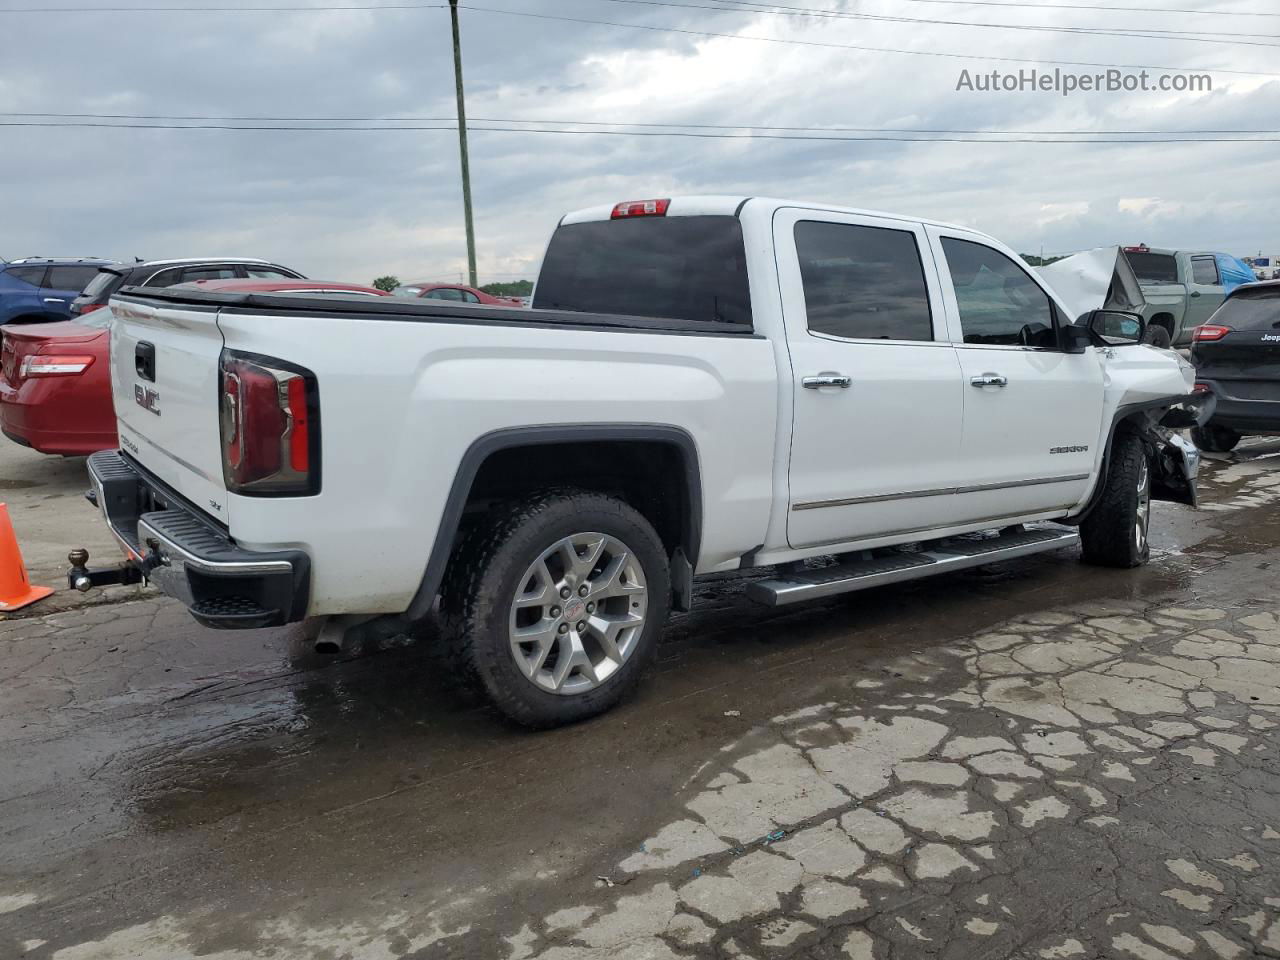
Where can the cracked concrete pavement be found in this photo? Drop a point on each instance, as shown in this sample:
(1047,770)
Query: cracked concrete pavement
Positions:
(1033,760)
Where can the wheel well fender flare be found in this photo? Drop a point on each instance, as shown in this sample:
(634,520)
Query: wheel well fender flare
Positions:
(506,439)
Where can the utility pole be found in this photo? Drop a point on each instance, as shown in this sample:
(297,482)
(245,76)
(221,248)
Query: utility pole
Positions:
(462,144)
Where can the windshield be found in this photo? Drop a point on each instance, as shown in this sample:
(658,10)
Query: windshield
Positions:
(406,291)
(691,268)
(1154,267)
(1254,312)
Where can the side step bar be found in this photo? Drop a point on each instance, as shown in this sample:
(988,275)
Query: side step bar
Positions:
(957,553)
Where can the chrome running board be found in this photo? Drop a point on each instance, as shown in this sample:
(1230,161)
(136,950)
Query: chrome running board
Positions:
(956,553)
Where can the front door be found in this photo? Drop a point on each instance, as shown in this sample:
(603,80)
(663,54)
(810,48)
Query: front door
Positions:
(877,394)
(1032,413)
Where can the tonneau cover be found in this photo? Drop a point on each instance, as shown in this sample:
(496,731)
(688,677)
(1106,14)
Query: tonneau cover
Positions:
(419,311)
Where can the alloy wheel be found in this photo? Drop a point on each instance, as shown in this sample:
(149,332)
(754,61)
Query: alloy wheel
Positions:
(578,613)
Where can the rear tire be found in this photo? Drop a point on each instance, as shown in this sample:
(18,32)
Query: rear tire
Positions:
(585,651)
(1215,439)
(1158,335)
(1115,534)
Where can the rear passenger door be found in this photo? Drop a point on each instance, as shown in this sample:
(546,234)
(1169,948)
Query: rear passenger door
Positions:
(876,386)
(1032,413)
(63,283)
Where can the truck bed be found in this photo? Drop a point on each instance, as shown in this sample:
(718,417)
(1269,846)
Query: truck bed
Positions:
(424,311)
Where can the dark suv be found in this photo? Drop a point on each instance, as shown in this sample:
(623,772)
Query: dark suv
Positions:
(166,273)
(40,289)
(1237,358)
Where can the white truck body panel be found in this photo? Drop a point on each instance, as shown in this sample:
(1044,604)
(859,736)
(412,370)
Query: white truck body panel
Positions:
(397,423)
(787,472)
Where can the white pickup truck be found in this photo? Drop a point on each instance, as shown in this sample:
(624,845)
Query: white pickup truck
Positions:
(704,384)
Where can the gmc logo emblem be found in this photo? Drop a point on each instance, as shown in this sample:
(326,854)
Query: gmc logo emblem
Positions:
(146,398)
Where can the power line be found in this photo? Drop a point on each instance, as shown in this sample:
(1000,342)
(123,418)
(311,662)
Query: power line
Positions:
(634,133)
(1185,36)
(868,49)
(1089,6)
(619,123)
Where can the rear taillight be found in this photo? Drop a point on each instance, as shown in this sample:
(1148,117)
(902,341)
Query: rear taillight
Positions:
(640,208)
(270,426)
(56,365)
(1202,388)
(80,309)
(1210,331)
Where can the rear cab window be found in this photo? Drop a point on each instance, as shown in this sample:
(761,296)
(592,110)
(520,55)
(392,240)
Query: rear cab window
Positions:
(668,267)
(1154,267)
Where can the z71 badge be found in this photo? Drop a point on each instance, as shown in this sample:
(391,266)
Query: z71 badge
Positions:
(146,398)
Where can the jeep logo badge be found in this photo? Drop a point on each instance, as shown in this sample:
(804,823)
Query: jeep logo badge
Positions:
(146,398)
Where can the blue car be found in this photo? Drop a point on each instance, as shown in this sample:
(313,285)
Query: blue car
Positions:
(40,290)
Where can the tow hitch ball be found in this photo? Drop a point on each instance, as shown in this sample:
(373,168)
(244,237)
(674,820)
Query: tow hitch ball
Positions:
(81,578)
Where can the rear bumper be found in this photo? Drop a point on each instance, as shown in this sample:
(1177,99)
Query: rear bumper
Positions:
(1243,416)
(191,559)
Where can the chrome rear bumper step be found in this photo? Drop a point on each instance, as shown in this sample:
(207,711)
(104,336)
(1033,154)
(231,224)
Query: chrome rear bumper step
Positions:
(957,553)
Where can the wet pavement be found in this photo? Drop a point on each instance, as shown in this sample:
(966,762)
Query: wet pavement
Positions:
(1038,759)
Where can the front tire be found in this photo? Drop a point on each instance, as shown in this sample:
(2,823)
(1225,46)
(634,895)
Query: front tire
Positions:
(1115,534)
(555,605)
(1215,439)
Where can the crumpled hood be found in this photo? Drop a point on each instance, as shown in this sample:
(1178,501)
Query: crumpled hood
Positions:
(1095,280)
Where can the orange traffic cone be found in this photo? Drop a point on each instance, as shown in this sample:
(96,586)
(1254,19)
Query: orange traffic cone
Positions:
(16,590)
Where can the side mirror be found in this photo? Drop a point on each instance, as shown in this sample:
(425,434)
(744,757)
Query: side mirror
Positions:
(1116,327)
(1074,338)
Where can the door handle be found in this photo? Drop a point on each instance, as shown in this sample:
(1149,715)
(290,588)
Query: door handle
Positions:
(54,300)
(826,380)
(1195,293)
(989,380)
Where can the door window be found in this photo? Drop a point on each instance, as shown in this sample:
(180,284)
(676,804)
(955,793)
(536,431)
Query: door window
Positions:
(445,293)
(31,275)
(268,273)
(208,273)
(863,283)
(1204,270)
(469,297)
(999,303)
(69,278)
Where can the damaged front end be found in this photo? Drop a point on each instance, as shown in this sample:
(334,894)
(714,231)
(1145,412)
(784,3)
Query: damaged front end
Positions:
(1175,460)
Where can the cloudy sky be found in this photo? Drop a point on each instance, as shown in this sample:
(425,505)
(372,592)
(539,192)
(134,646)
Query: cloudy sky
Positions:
(355,204)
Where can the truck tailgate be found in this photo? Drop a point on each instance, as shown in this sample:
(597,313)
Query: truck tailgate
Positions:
(164,381)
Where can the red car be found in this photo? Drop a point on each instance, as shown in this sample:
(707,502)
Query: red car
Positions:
(55,378)
(455,293)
